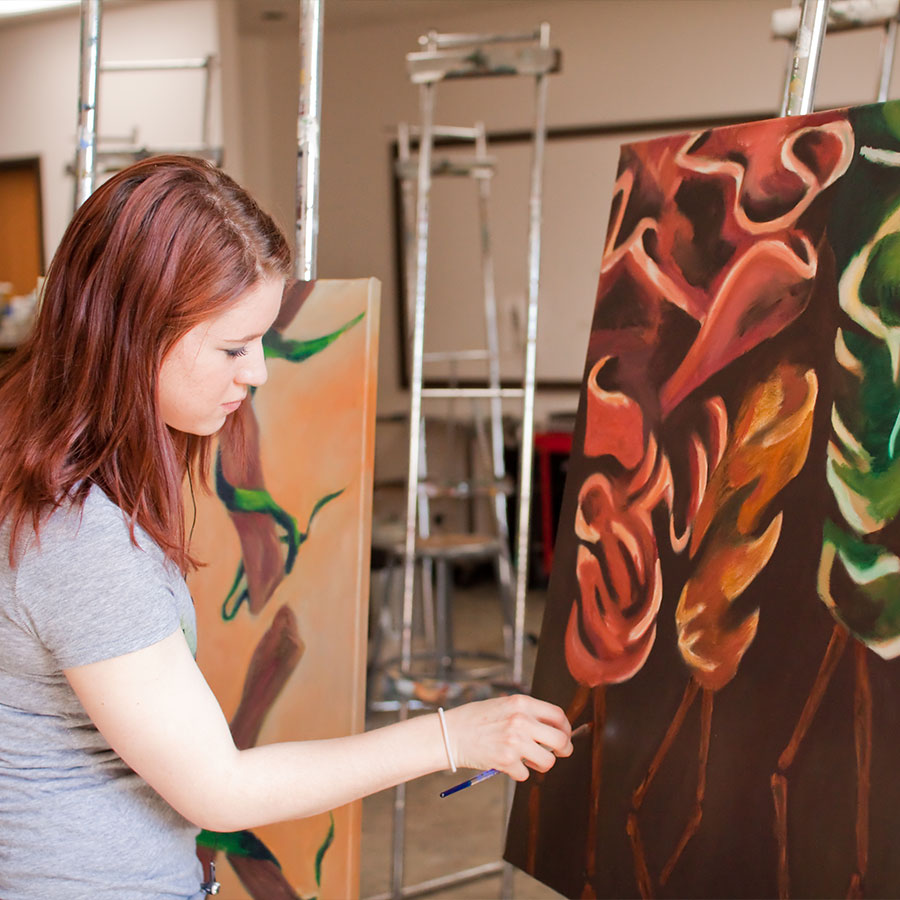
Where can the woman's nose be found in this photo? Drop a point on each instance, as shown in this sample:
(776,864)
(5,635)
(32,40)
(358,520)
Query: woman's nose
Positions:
(254,372)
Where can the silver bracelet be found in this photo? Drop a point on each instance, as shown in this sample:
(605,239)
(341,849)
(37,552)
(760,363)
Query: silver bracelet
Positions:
(446,739)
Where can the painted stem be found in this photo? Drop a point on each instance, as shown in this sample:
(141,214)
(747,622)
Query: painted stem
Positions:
(862,733)
(641,872)
(262,878)
(833,652)
(534,815)
(693,823)
(276,656)
(599,722)
(576,708)
(687,700)
(779,798)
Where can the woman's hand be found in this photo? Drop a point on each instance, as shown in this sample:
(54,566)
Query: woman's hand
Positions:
(511,734)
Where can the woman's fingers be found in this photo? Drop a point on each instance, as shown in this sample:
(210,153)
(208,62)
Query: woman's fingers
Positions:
(540,759)
(553,739)
(510,734)
(518,772)
(552,715)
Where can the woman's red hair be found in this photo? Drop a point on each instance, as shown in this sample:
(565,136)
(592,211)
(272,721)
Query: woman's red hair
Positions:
(161,246)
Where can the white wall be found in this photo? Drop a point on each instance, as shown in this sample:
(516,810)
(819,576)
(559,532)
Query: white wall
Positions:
(268,98)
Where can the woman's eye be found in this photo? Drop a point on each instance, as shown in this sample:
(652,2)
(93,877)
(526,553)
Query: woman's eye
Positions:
(234,354)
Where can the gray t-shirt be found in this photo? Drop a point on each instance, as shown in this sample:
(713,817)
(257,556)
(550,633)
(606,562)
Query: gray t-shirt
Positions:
(76,823)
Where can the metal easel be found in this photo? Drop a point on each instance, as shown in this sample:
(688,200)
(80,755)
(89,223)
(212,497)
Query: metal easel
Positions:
(308,139)
(89,157)
(89,69)
(439,552)
(444,57)
(806,24)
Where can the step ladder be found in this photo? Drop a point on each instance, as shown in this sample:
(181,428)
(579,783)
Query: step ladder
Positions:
(445,57)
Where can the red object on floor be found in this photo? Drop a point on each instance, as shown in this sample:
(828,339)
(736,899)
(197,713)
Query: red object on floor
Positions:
(547,443)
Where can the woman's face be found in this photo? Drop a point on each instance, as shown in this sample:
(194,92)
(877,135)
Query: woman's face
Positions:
(209,371)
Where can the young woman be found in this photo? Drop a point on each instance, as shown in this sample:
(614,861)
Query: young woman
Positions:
(113,750)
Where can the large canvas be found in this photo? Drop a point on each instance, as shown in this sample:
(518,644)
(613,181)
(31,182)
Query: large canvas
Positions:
(723,617)
(282,605)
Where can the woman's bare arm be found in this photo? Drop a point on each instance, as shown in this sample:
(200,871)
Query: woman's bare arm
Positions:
(157,712)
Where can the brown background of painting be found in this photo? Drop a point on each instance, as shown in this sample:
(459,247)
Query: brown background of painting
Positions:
(734,852)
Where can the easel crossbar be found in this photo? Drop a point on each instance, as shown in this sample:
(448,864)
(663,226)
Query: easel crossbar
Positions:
(843,15)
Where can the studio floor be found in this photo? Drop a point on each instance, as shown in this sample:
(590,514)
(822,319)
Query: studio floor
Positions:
(448,835)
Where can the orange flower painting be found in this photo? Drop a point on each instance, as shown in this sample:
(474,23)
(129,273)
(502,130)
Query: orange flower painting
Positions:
(724,611)
(282,602)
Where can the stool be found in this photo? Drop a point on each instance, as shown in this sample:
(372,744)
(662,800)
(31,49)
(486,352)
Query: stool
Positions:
(440,551)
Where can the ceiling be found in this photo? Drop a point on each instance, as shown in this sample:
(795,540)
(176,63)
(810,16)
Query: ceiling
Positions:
(276,15)
(256,15)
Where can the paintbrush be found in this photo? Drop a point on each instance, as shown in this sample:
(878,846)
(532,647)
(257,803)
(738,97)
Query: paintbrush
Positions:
(490,773)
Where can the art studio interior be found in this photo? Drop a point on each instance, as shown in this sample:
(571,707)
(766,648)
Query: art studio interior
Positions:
(590,389)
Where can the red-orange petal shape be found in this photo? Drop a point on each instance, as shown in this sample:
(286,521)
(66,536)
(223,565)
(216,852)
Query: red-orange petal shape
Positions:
(591,670)
(614,422)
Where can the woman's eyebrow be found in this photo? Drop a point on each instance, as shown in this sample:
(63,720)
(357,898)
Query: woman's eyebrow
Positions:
(243,340)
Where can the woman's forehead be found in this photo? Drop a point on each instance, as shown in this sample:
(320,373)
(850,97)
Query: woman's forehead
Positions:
(255,309)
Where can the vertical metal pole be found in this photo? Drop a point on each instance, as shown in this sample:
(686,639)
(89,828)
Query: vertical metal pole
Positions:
(787,81)
(408,203)
(308,136)
(207,101)
(527,447)
(85,155)
(409,258)
(415,435)
(801,86)
(415,417)
(527,450)
(399,825)
(889,45)
(498,464)
(426,574)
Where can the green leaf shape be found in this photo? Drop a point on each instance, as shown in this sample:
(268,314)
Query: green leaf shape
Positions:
(869,406)
(276,346)
(237,843)
(881,489)
(879,288)
(259,500)
(871,611)
(229,612)
(891,113)
(868,192)
(320,853)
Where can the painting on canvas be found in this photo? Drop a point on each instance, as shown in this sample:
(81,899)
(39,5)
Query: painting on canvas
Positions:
(282,603)
(723,617)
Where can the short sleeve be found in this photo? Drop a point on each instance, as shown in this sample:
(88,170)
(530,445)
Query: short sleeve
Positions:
(87,593)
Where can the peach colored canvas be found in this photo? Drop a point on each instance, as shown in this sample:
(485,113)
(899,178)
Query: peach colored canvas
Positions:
(308,625)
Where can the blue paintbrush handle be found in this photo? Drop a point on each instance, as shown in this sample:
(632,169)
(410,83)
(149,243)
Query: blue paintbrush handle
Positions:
(488,773)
